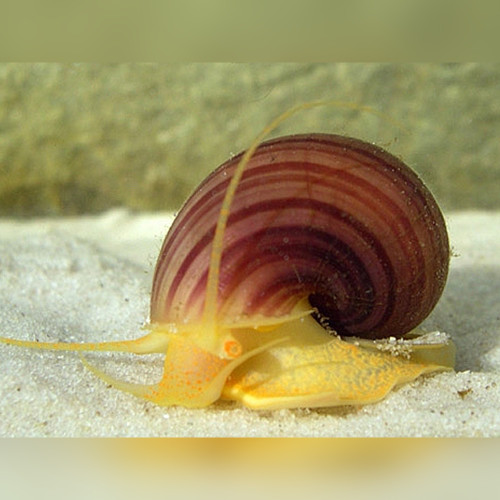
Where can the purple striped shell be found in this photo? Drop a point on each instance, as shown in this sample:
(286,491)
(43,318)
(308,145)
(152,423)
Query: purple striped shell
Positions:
(325,217)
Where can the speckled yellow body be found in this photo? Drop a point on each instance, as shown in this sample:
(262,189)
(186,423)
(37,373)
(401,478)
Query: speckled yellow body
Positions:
(328,372)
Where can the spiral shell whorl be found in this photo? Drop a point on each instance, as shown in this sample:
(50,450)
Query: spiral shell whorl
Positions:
(322,216)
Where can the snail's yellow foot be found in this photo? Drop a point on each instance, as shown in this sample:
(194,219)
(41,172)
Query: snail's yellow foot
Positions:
(331,372)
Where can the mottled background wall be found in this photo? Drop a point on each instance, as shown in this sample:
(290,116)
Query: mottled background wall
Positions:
(83,138)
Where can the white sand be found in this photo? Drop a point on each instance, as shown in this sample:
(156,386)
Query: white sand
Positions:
(88,279)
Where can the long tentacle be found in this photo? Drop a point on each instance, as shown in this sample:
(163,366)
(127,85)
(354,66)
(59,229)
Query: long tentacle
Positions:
(153,342)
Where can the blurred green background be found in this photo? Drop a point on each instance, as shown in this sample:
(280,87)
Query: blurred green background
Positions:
(83,138)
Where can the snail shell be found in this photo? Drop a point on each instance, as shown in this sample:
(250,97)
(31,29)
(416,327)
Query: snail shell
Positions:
(327,218)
